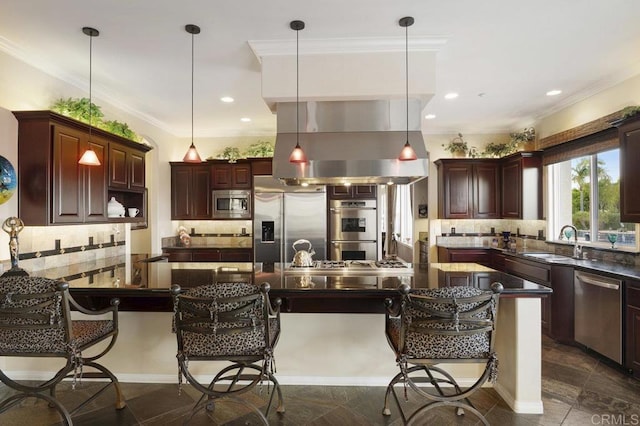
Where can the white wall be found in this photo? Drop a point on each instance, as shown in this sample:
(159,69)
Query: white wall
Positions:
(23,87)
(603,103)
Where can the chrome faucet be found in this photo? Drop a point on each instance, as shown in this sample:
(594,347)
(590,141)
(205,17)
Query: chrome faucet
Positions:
(577,250)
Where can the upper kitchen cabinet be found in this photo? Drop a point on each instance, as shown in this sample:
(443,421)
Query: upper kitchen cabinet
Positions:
(261,166)
(126,167)
(468,189)
(53,188)
(629,133)
(190,191)
(225,175)
(343,192)
(522,186)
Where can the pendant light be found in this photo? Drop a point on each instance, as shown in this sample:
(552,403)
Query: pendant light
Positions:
(89,158)
(192,155)
(297,155)
(407,153)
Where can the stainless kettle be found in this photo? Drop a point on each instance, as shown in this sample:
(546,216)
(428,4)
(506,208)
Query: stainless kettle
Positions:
(303,258)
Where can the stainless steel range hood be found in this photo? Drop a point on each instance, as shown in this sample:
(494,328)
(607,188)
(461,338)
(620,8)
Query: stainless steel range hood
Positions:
(352,142)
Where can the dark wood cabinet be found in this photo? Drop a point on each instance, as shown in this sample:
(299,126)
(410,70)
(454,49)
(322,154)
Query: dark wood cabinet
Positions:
(342,192)
(226,175)
(468,189)
(209,254)
(486,191)
(79,192)
(497,260)
(52,187)
(465,279)
(509,187)
(629,133)
(632,320)
(261,166)
(539,273)
(561,304)
(470,255)
(190,191)
(126,167)
(522,186)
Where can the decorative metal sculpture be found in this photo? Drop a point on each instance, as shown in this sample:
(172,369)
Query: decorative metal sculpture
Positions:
(13,226)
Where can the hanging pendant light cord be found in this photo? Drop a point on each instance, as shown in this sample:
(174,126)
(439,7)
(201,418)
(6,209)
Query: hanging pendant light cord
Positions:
(297,89)
(192,74)
(406,69)
(90,85)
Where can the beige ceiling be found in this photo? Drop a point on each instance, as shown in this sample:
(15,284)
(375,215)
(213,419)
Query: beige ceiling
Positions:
(501,56)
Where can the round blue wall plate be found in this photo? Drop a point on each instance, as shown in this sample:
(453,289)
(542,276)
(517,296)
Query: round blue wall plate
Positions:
(8,180)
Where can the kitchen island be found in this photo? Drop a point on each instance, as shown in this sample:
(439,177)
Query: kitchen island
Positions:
(332,322)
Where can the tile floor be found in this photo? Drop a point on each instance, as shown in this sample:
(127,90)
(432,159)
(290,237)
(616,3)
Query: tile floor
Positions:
(578,389)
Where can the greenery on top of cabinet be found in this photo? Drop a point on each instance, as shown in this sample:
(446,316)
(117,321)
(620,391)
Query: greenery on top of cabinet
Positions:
(82,110)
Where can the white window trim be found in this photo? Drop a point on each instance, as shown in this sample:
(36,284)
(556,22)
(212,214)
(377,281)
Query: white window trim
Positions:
(553,227)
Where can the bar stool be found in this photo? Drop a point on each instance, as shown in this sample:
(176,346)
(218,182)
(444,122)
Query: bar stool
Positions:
(441,325)
(35,321)
(232,322)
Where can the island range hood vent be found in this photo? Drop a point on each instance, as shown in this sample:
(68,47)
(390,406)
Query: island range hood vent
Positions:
(350,142)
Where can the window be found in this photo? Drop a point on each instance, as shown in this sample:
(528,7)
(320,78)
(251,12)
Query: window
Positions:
(593,209)
(404,218)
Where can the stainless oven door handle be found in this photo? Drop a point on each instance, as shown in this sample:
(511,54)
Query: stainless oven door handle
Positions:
(598,283)
(341,209)
(336,242)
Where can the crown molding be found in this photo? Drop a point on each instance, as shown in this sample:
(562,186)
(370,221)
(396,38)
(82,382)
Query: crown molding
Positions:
(262,48)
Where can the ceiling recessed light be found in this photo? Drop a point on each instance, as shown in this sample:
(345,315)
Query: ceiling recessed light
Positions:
(451,95)
(430,116)
(554,92)
(226,99)
(245,119)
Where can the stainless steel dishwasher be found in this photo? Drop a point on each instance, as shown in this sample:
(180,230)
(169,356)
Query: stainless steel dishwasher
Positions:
(598,314)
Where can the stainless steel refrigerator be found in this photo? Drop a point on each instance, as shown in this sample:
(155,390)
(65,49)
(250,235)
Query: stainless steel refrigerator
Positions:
(284,214)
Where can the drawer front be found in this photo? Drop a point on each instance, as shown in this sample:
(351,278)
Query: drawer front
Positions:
(179,256)
(539,274)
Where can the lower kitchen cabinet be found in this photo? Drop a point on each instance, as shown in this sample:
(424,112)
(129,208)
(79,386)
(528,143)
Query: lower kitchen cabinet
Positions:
(209,255)
(187,278)
(561,304)
(466,279)
(632,335)
(471,255)
(539,273)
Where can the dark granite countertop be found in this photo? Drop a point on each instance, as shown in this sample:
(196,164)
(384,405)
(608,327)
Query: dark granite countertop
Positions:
(144,285)
(589,265)
(207,247)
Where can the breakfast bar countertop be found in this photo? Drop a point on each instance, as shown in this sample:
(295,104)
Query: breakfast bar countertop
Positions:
(143,284)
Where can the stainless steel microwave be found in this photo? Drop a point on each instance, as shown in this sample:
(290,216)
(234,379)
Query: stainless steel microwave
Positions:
(231,204)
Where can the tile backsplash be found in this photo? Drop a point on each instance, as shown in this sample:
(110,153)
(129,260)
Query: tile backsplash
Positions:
(44,247)
(214,226)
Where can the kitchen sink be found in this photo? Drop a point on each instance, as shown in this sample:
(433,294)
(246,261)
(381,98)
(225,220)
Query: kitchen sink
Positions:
(549,257)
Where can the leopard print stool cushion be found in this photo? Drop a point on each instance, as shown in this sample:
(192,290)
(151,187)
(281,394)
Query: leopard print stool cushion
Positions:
(47,331)
(86,332)
(233,344)
(438,346)
(249,341)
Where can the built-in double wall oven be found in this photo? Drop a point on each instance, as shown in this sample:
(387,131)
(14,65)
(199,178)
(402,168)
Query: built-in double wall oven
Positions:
(353,230)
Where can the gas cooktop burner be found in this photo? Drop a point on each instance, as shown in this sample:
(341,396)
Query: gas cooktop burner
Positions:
(388,263)
(331,264)
(358,265)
